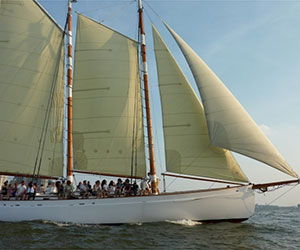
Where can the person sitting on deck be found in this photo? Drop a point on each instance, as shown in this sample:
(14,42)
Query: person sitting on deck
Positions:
(104,188)
(31,191)
(10,191)
(68,190)
(78,187)
(21,191)
(127,188)
(145,190)
(89,188)
(119,188)
(15,188)
(60,188)
(83,189)
(50,189)
(97,189)
(135,189)
(111,189)
(4,190)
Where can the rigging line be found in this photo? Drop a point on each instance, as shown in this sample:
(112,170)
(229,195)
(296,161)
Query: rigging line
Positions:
(153,10)
(121,8)
(50,107)
(43,134)
(138,122)
(138,91)
(40,142)
(147,14)
(283,194)
(104,7)
(135,126)
(133,130)
(143,109)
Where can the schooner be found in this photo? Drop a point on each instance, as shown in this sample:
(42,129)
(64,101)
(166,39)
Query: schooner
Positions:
(105,129)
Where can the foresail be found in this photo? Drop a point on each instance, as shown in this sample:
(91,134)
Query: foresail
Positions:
(107,110)
(188,150)
(31,90)
(229,124)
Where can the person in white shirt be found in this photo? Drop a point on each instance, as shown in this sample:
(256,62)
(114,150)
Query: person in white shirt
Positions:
(104,188)
(111,189)
(21,191)
(31,191)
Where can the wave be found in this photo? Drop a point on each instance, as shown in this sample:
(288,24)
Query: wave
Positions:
(66,224)
(189,223)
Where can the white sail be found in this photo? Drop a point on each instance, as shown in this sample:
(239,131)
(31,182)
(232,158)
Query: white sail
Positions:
(188,150)
(107,110)
(31,90)
(229,124)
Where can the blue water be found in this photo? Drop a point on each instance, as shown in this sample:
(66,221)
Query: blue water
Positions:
(270,228)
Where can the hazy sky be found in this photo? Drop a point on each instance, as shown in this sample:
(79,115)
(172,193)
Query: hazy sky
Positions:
(254,48)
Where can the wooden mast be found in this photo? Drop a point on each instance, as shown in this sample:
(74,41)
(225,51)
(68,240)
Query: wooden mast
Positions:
(147,100)
(69,95)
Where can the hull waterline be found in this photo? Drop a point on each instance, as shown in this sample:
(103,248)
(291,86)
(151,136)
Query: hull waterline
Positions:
(226,204)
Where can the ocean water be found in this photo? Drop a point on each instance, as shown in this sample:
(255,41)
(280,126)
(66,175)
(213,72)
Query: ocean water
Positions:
(270,228)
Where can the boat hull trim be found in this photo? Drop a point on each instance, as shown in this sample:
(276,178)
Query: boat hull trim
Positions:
(213,205)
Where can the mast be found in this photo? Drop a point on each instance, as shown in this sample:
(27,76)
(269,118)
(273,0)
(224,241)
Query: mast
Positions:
(147,99)
(69,95)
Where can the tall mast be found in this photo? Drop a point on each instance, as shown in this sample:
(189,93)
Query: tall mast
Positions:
(147,100)
(69,95)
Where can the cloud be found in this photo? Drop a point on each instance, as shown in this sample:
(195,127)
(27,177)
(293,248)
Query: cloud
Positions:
(233,35)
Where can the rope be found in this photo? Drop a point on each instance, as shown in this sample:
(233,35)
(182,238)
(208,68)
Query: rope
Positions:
(115,13)
(146,2)
(282,194)
(39,156)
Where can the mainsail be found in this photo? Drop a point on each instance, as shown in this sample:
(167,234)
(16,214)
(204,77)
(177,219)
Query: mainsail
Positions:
(107,110)
(31,90)
(229,124)
(188,150)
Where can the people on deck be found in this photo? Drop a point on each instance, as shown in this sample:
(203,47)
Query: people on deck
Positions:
(145,190)
(10,191)
(15,188)
(4,191)
(127,188)
(69,190)
(83,190)
(134,189)
(104,188)
(21,191)
(119,188)
(111,189)
(89,188)
(97,189)
(66,191)
(60,190)
(31,191)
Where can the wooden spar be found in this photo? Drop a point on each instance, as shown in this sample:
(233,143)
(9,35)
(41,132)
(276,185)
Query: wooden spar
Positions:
(29,175)
(202,179)
(69,94)
(147,100)
(107,174)
(264,186)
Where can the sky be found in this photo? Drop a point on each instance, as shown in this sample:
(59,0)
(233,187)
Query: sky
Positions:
(253,47)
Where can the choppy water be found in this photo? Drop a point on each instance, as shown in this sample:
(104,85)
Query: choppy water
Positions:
(269,228)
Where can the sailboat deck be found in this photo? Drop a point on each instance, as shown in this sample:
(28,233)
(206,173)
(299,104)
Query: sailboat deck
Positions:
(52,197)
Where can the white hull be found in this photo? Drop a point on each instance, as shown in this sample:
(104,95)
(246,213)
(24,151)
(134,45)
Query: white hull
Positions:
(236,203)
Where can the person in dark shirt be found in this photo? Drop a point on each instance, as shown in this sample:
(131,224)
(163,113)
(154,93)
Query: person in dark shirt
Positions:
(135,189)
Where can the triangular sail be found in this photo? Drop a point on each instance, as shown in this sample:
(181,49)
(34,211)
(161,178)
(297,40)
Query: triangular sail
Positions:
(107,109)
(229,124)
(31,90)
(188,150)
